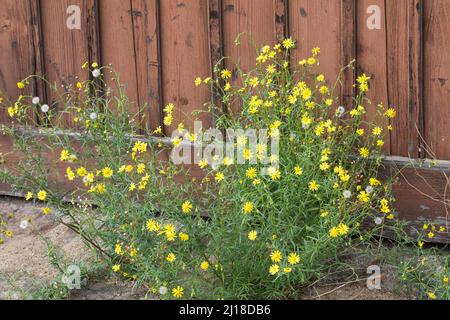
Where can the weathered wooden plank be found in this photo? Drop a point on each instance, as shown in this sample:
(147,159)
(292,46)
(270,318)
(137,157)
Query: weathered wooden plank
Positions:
(437,78)
(185,53)
(348,51)
(19,51)
(66,49)
(317,23)
(256,20)
(147,37)
(118,48)
(422,196)
(372,56)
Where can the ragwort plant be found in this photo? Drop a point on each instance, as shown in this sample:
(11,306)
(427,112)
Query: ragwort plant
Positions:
(235,230)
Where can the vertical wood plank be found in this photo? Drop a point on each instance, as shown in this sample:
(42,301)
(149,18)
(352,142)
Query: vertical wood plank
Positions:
(437,77)
(372,58)
(256,19)
(397,76)
(317,23)
(348,50)
(185,55)
(65,50)
(148,60)
(118,48)
(19,50)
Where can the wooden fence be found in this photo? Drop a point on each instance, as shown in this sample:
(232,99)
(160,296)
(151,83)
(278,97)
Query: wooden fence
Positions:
(159,46)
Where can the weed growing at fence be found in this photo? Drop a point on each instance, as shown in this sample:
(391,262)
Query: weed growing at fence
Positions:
(222,230)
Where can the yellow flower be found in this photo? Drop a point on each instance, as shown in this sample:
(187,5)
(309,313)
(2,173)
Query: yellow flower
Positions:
(168,120)
(316,51)
(248,207)
(364,152)
(118,249)
(46,210)
(324,166)
(287,270)
(445,280)
(42,195)
(225,74)
(374,182)
(432,295)
(116,268)
(203,163)
(390,113)
(334,232)
(251,173)
(276,256)
(252,235)
(171,257)
(420,244)
(81,171)
(64,155)
(70,174)
(313,185)
(288,43)
(342,229)
(380,143)
(152,225)
(133,251)
(183,236)
(29,195)
(364,196)
(186,207)
(198,81)
(107,172)
(377,131)
(132,187)
(430,234)
(178,292)
(360,132)
(274,173)
(20,85)
(219,176)
(273,270)
(204,265)
(293,258)
(298,171)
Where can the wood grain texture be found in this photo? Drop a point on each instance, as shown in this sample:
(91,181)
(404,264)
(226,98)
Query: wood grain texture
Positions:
(422,196)
(118,48)
(256,20)
(147,37)
(20,54)
(437,77)
(372,59)
(65,50)
(317,23)
(185,55)
(348,51)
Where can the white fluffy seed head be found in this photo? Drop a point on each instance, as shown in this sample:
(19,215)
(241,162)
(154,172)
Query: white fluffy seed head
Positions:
(96,73)
(162,290)
(45,108)
(35,100)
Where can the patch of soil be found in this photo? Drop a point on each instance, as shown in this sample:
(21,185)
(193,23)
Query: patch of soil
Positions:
(23,259)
